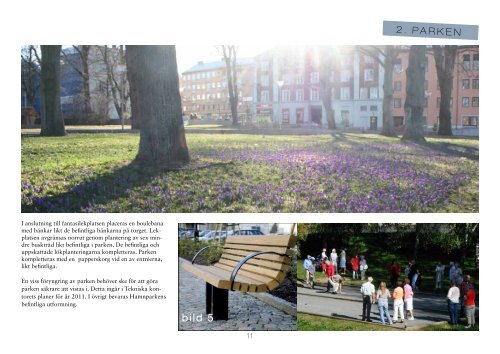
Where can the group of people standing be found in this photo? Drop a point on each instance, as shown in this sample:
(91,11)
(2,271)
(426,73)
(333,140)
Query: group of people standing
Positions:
(402,297)
(461,294)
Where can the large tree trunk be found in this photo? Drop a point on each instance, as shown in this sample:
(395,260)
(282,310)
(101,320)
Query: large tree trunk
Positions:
(156,100)
(233,87)
(415,95)
(229,56)
(52,120)
(388,121)
(330,118)
(326,66)
(329,112)
(445,64)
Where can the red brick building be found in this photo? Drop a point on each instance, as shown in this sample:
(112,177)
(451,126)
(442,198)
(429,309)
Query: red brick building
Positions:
(465,95)
(205,94)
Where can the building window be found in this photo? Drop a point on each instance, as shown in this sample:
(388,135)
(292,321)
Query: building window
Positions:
(451,102)
(373,108)
(299,80)
(369,74)
(369,59)
(314,77)
(264,66)
(438,102)
(437,84)
(264,96)
(397,103)
(314,94)
(345,93)
(470,121)
(475,101)
(466,61)
(264,80)
(345,60)
(363,108)
(475,84)
(287,79)
(465,101)
(218,95)
(426,85)
(363,93)
(426,102)
(299,95)
(333,94)
(475,58)
(398,66)
(373,93)
(345,75)
(465,84)
(285,96)
(397,85)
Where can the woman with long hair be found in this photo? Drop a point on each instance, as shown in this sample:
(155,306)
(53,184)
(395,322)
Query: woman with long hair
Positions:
(383,296)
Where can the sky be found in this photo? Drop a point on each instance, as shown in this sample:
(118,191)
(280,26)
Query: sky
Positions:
(190,55)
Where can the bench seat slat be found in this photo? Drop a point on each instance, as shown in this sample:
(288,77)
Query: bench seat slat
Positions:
(257,248)
(271,273)
(258,262)
(258,277)
(269,257)
(220,277)
(264,240)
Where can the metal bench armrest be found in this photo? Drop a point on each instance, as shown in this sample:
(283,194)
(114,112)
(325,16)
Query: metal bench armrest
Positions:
(244,260)
(201,250)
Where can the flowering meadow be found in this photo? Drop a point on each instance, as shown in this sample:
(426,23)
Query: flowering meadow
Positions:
(252,173)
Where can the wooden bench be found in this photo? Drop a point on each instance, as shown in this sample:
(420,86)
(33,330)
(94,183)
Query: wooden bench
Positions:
(247,264)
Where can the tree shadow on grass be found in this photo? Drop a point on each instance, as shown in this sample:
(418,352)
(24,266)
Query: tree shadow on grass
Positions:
(94,190)
(450,148)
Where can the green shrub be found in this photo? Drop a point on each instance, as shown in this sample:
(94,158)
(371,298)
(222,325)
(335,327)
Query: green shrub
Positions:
(188,248)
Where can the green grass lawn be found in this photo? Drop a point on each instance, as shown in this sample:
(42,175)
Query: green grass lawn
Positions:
(307,322)
(251,173)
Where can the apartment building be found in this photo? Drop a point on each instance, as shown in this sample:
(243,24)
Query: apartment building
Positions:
(465,94)
(205,94)
(288,89)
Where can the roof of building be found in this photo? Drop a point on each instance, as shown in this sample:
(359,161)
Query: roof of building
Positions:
(201,66)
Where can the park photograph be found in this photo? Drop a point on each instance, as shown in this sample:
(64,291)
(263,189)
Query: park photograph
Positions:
(388,277)
(237,277)
(249,129)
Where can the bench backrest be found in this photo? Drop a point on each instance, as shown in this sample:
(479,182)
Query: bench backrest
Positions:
(268,268)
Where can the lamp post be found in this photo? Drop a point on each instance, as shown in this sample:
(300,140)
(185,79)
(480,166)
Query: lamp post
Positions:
(280,117)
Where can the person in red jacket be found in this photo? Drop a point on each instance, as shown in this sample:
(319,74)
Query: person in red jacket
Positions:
(470,306)
(355,266)
(394,273)
(330,272)
(323,264)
